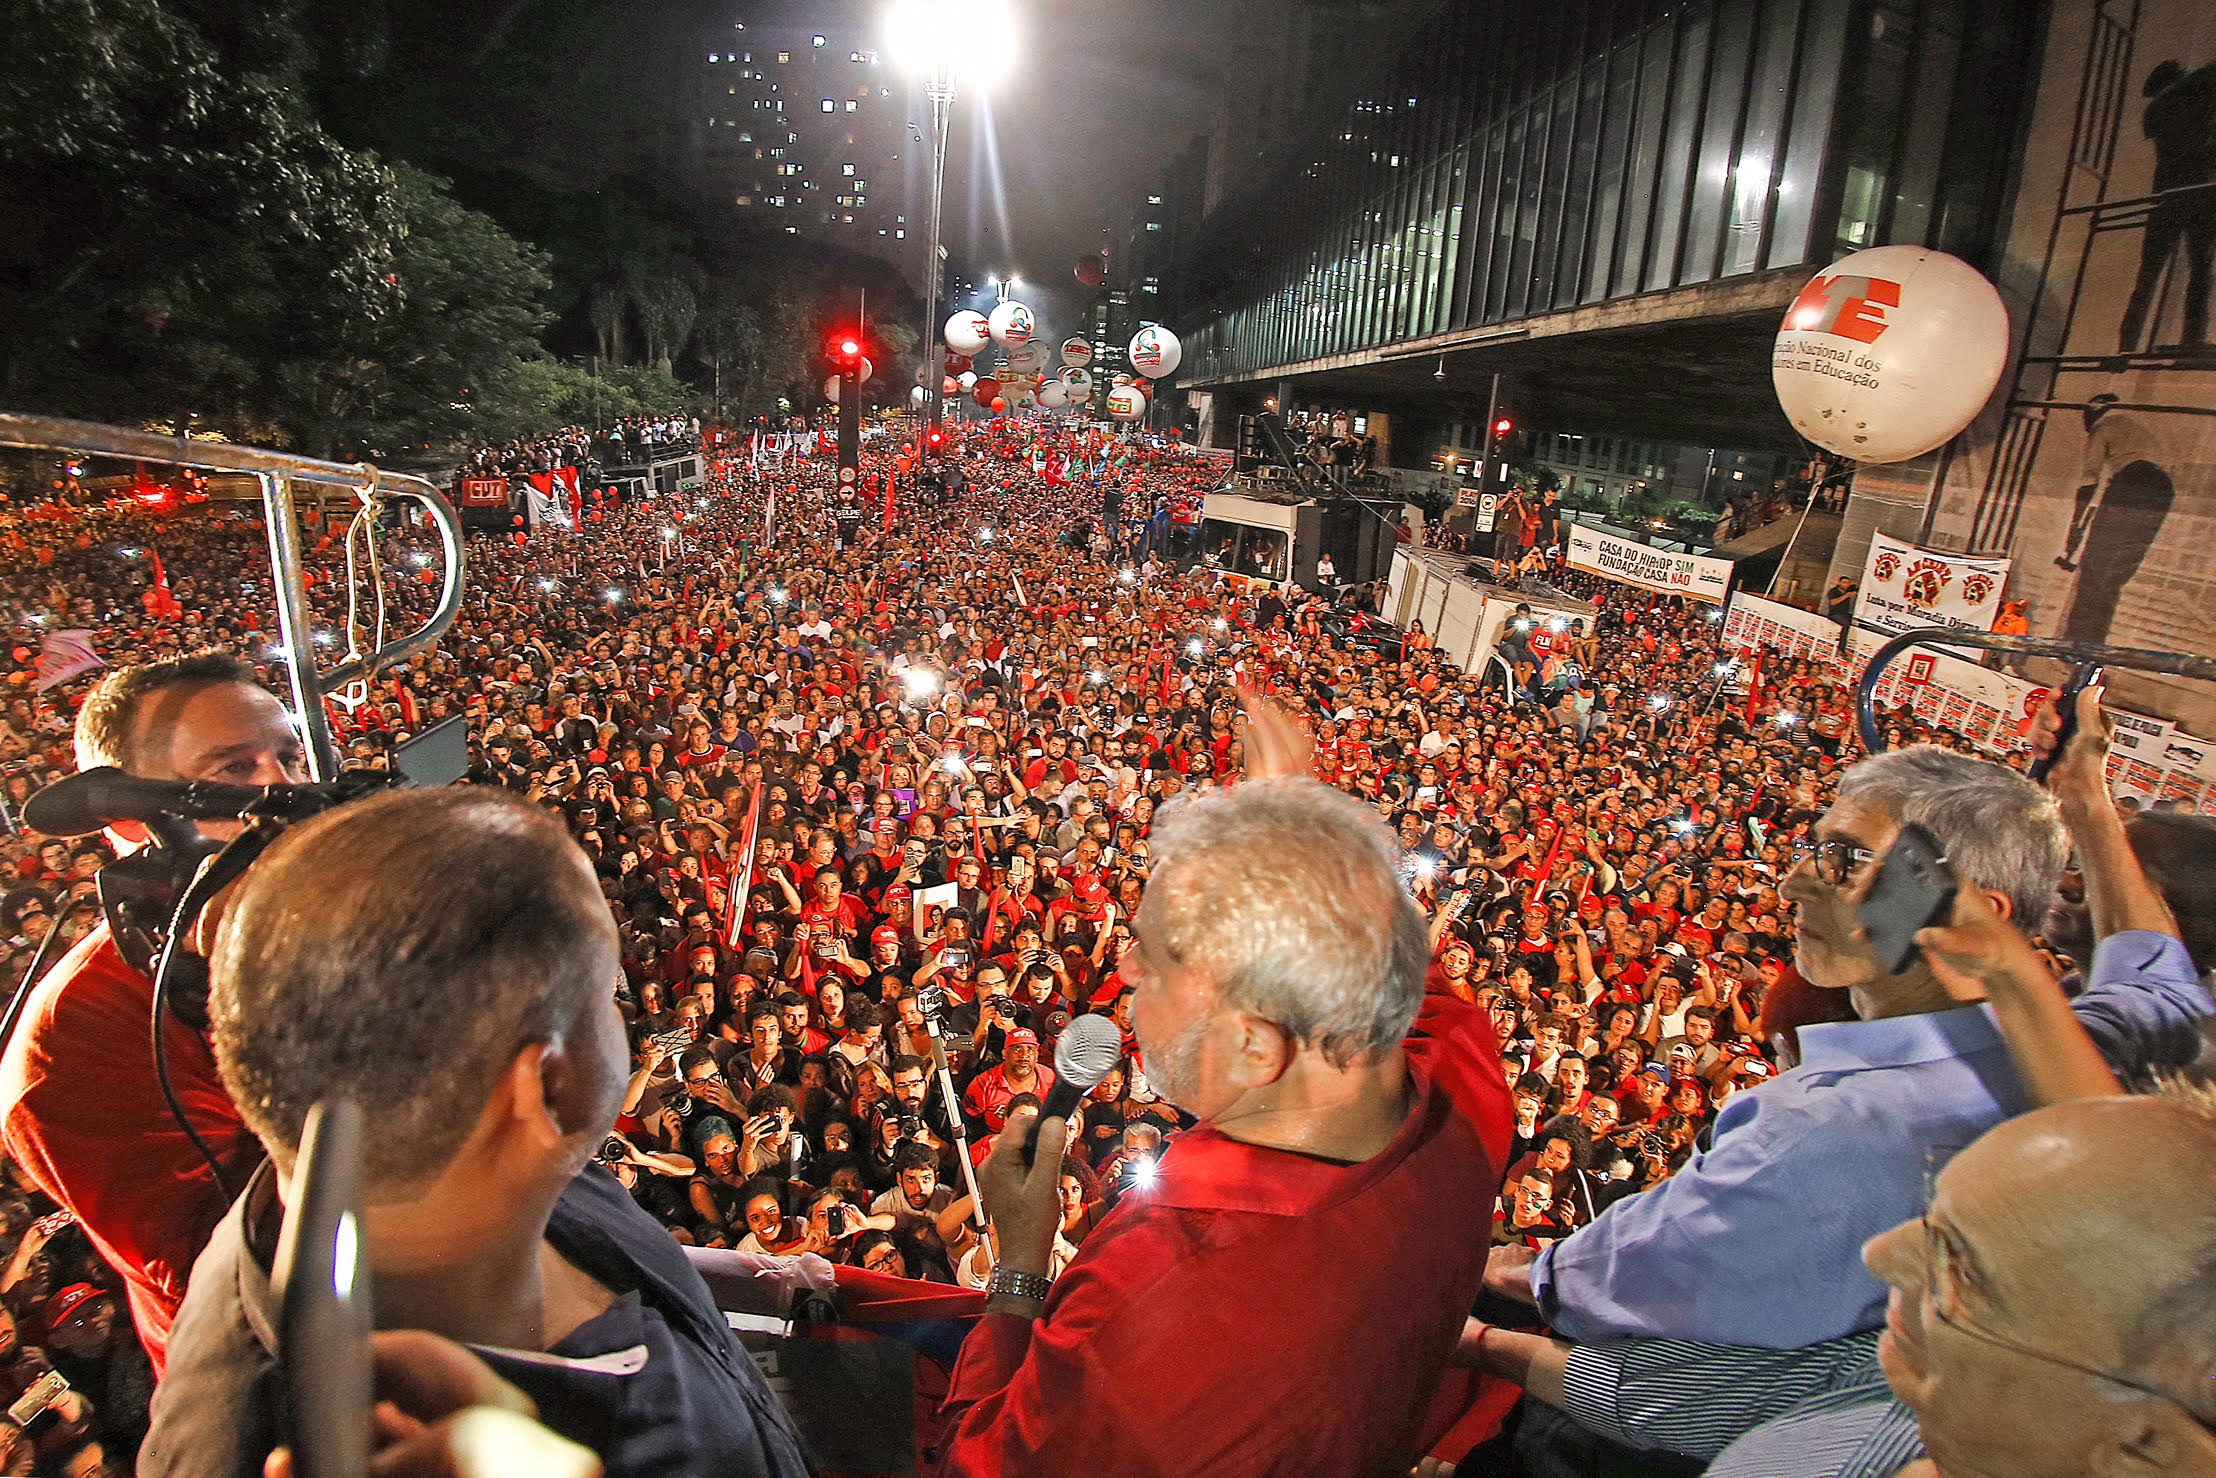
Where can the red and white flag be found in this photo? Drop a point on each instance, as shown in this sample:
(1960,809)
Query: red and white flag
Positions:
(742,875)
(63,655)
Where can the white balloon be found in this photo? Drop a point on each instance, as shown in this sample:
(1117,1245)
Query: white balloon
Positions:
(1126,403)
(868,369)
(967,332)
(1054,395)
(967,379)
(915,396)
(1155,351)
(1011,324)
(1889,353)
(1080,384)
(1027,357)
(831,389)
(1077,353)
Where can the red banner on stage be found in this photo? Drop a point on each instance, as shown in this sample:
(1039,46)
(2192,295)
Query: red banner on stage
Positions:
(482,492)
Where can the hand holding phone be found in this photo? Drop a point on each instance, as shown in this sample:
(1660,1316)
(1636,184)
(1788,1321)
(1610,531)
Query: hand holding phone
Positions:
(1914,889)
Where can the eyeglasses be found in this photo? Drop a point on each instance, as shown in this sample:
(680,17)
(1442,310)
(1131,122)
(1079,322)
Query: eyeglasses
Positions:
(701,1082)
(1838,860)
(1943,1286)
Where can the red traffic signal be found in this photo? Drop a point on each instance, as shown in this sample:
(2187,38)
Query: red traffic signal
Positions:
(848,348)
(1503,426)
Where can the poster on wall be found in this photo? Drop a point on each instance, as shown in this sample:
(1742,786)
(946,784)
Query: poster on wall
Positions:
(2101,477)
(1905,586)
(1696,576)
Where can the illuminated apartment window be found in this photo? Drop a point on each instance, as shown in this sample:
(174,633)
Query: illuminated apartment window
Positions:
(846,169)
(783,57)
(816,42)
(745,200)
(850,107)
(831,107)
(900,235)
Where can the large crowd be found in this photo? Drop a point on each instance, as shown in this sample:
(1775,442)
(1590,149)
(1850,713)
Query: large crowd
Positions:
(948,727)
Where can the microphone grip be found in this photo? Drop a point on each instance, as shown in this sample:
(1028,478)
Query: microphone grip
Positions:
(1061,1102)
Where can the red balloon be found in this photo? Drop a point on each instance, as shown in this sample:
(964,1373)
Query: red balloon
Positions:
(999,405)
(430,577)
(517,520)
(1091,271)
(518,537)
(22,654)
(956,363)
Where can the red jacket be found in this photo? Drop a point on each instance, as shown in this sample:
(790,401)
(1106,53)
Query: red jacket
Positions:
(82,1113)
(1199,1323)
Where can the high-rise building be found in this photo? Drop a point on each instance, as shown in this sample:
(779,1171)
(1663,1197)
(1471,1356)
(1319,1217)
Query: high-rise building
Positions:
(803,127)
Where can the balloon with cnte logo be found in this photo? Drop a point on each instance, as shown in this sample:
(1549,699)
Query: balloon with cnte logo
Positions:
(1889,353)
(1011,324)
(1155,352)
(967,332)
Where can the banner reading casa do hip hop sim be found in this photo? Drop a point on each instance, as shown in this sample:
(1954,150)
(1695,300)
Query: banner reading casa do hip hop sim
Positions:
(1905,586)
(1697,576)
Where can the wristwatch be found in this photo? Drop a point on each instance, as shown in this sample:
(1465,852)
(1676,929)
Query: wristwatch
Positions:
(1019,1285)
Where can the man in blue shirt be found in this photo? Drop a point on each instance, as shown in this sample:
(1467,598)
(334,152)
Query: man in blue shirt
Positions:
(1756,1243)
(444,959)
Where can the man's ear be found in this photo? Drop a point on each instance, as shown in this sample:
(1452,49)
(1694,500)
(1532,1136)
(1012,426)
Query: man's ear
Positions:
(2002,903)
(540,1094)
(1264,1050)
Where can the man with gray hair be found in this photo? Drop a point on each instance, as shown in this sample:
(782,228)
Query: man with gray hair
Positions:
(1735,1294)
(1284,1295)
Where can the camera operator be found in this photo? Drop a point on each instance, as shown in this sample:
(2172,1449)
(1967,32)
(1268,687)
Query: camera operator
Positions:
(466,1008)
(84,1112)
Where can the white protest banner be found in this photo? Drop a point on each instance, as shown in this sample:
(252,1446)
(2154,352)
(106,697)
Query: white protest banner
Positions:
(1751,621)
(63,655)
(1696,576)
(1905,586)
(2136,757)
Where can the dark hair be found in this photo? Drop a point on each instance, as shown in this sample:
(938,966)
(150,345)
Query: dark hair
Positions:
(107,722)
(907,1061)
(769,1098)
(2179,854)
(912,1154)
(351,965)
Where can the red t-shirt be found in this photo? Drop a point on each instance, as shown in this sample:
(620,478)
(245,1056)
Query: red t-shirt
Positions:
(1157,1352)
(82,1112)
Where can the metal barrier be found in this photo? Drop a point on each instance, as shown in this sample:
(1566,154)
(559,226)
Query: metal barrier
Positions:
(277,473)
(2081,656)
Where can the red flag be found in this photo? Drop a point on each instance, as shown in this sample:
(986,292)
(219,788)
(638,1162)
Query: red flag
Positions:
(1754,681)
(742,876)
(888,500)
(406,700)
(159,601)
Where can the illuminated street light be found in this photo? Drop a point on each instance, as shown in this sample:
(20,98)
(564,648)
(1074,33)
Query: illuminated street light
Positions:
(946,42)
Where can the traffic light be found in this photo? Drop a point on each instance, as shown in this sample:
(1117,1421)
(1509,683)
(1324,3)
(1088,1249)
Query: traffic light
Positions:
(1503,426)
(934,441)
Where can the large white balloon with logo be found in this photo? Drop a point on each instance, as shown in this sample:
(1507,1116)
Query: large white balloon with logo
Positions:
(1125,403)
(1080,384)
(1889,353)
(1155,352)
(967,332)
(1011,324)
(1054,395)
(1027,358)
(1077,353)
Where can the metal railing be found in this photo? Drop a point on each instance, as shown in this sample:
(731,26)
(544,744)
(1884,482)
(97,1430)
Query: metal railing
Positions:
(278,473)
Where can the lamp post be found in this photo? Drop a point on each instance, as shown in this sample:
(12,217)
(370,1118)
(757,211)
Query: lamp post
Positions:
(944,40)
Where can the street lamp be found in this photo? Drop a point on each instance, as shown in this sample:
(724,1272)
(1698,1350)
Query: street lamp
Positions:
(945,42)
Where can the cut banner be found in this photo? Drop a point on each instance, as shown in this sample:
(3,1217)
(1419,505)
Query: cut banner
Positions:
(1695,576)
(1905,586)
(63,655)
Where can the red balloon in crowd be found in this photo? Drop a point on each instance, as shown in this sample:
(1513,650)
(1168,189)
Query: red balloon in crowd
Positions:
(517,521)
(518,537)
(999,405)
(1091,270)
(22,654)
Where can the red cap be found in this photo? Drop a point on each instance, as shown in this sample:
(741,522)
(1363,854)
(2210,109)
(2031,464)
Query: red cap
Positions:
(884,934)
(1023,1036)
(900,891)
(68,1301)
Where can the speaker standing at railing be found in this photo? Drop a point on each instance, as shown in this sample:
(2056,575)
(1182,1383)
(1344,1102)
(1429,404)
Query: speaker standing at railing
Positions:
(1283,1296)
(83,1113)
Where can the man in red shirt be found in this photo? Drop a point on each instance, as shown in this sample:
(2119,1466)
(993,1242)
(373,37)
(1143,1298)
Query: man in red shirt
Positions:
(80,1108)
(1321,1230)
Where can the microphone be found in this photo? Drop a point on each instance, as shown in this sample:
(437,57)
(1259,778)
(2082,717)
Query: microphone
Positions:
(92,799)
(1087,1049)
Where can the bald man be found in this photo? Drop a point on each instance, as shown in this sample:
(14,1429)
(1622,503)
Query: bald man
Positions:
(2053,1312)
